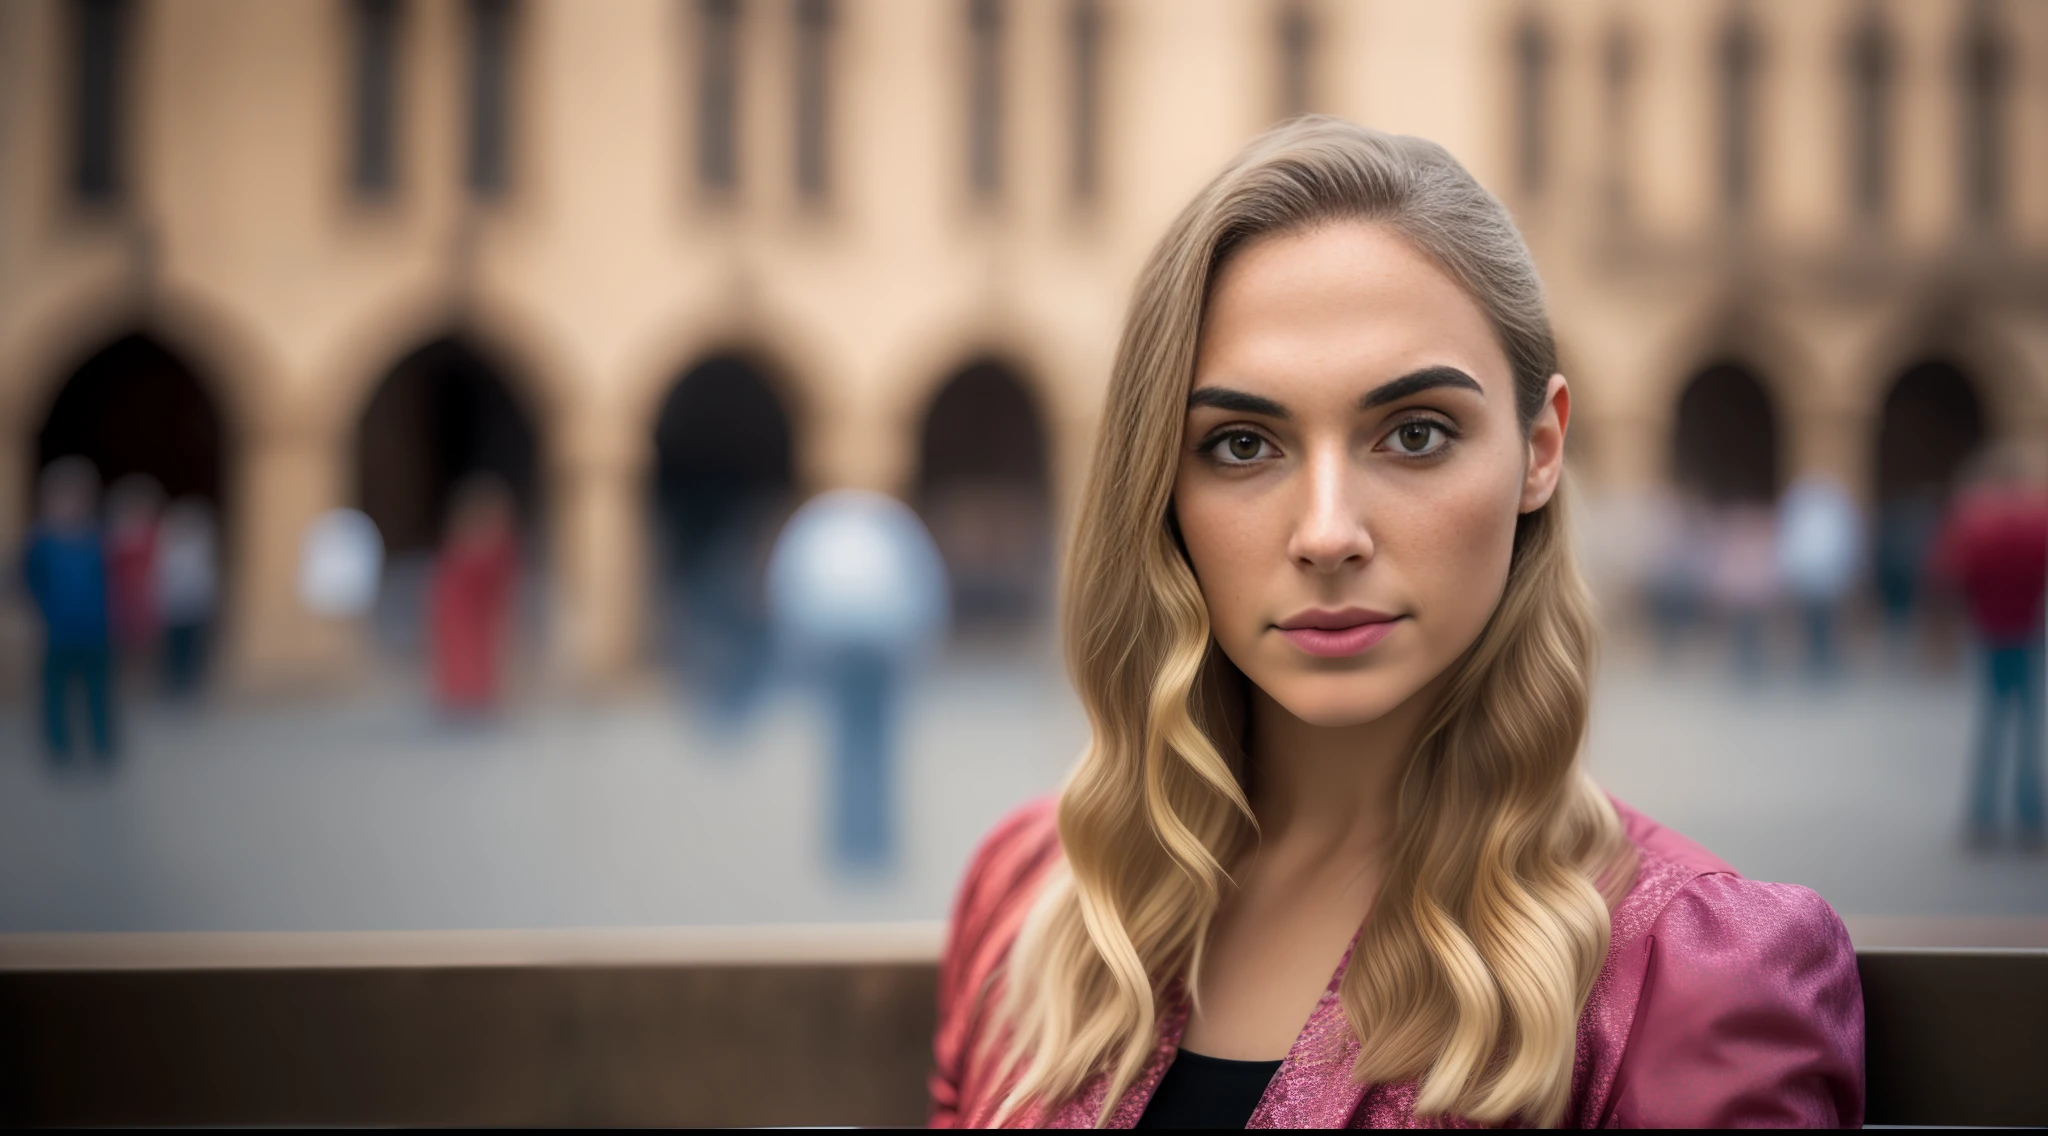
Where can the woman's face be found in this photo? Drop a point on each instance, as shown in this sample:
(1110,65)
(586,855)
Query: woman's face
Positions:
(1353,469)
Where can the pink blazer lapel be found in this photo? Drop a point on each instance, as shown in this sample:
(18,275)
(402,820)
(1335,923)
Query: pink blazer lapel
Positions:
(1313,1087)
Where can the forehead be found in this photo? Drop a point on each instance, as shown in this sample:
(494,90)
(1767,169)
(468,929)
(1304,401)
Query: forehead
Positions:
(1339,305)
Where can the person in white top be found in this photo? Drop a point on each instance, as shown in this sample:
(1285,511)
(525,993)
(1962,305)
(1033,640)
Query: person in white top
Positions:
(187,590)
(857,593)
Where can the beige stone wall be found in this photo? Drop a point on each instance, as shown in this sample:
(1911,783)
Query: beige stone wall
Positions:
(605,272)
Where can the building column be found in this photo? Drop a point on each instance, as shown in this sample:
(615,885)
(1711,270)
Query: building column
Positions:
(285,474)
(860,443)
(600,551)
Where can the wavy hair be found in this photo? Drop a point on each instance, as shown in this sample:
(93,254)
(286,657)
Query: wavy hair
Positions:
(1493,920)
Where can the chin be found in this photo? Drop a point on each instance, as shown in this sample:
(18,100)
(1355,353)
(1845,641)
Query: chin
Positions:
(1335,700)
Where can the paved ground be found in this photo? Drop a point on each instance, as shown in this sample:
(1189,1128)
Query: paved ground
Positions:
(367,815)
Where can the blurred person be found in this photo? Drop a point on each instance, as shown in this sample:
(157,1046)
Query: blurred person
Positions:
(187,590)
(341,562)
(1323,611)
(1743,580)
(720,626)
(469,600)
(1906,532)
(1820,549)
(1680,566)
(1994,548)
(134,510)
(66,571)
(858,593)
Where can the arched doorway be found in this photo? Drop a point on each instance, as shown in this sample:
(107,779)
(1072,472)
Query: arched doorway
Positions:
(983,491)
(1725,439)
(134,407)
(151,430)
(724,472)
(442,416)
(1932,422)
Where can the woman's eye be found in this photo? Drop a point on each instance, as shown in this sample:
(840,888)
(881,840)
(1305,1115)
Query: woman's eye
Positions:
(1239,446)
(1418,438)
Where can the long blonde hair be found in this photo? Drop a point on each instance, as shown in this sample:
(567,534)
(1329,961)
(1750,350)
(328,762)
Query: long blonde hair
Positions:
(1492,922)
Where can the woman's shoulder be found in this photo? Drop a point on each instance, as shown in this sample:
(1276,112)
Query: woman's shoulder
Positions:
(1685,895)
(1007,864)
(997,891)
(1725,1000)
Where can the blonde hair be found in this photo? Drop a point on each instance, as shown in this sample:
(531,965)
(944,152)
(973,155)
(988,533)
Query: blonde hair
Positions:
(1492,922)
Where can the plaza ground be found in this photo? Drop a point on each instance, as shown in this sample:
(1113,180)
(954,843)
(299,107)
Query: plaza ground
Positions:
(367,814)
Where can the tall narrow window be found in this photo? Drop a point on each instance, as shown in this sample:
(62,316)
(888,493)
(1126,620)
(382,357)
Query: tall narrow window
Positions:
(813,86)
(1870,62)
(1532,103)
(1617,82)
(490,96)
(1739,58)
(985,97)
(99,100)
(718,94)
(1297,52)
(1985,70)
(373,162)
(1084,29)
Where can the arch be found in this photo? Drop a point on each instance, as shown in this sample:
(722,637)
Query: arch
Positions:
(443,412)
(1726,438)
(1941,329)
(982,486)
(135,406)
(1932,420)
(723,448)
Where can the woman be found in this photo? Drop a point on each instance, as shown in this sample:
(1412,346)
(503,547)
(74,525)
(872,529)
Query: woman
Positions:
(1322,611)
(470,596)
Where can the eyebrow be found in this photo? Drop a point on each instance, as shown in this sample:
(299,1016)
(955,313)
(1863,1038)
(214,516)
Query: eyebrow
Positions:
(1428,378)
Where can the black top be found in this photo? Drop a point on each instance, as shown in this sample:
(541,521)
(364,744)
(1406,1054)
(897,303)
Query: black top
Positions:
(1208,1092)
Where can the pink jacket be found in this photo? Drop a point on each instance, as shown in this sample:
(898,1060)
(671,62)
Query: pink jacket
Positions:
(1723,1002)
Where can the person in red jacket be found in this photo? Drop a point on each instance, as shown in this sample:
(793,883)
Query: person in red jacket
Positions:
(1994,548)
(471,591)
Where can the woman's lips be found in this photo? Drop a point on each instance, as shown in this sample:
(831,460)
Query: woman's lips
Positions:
(1335,635)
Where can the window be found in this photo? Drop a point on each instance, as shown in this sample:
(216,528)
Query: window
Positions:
(1084,30)
(373,162)
(1739,58)
(1617,82)
(813,84)
(1870,62)
(490,97)
(1297,48)
(718,96)
(1532,103)
(99,99)
(985,97)
(1985,69)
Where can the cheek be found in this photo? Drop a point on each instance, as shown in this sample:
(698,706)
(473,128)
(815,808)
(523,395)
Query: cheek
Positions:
(1227,547)
(1453,548)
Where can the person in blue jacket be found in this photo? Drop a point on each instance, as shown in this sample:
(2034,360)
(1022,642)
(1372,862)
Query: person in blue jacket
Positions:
(66,571)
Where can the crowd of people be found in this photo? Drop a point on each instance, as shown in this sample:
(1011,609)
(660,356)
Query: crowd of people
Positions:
(1748,566)
(129,588)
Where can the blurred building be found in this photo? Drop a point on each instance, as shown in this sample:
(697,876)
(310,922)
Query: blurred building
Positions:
(646,258)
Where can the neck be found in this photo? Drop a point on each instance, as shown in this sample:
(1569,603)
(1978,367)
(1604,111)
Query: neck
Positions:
(1329,789)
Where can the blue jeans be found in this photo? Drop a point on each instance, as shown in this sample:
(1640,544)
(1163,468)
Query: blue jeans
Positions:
(863,693)
(91,668)
(2013,691)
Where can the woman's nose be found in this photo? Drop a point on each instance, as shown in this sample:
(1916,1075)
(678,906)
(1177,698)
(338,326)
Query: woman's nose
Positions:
(1331,531)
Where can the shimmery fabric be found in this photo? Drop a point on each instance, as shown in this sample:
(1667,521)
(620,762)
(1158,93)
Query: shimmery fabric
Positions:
(1722,1002)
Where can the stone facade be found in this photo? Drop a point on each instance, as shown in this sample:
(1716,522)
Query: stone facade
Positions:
(608,264)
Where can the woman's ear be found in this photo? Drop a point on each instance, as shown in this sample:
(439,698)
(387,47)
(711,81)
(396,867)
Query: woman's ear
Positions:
(1546,445)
